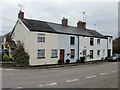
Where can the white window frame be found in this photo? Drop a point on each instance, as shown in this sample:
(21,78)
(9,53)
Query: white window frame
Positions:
(98,41)
(98,52)
(72,54)
(41,53)
(54,53)
(41,37)
(91,41)
(72,40)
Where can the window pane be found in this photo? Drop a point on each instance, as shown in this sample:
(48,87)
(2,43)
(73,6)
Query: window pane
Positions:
(91,41)
(72,40)
(41,53)
(54,53)
(41,37)
(72,53)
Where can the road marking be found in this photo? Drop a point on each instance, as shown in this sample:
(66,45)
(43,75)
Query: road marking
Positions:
(51,84)
(9,69)
(40,85)
(19,87)
(103,73)
(114,71)
(91,76)
(72,80)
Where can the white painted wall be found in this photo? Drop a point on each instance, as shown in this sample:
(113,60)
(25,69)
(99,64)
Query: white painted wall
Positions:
(56,41)
(85,45)
(64,43)
(31,45)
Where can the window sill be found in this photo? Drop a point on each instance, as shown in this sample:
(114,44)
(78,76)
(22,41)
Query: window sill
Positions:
(40,57)
(54,57)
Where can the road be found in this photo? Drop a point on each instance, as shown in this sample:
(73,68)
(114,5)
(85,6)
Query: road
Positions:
(101,75)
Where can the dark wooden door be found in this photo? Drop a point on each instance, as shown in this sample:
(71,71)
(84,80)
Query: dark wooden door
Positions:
(62,55)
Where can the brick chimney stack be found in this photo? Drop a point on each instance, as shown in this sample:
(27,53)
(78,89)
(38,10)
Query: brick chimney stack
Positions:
(64,22)
(21,15)
(81,24)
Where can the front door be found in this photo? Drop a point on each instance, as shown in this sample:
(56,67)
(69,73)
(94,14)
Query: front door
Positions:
(62,55)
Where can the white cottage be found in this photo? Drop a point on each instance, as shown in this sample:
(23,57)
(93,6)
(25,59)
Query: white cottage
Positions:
(47,42)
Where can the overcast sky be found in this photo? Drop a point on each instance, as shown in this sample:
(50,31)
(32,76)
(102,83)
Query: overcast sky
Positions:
(102,16)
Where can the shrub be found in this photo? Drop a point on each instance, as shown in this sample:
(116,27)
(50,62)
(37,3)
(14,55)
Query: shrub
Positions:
(67,61)
(21,58)
(6,58)
(82,59)
(59,61)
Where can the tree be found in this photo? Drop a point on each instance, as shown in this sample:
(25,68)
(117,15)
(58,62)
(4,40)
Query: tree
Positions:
(21,58)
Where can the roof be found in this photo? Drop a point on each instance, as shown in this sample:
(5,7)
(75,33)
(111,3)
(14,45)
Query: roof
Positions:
(4,36)
(43,26)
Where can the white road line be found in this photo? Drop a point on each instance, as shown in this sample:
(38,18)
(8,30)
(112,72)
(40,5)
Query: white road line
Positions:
(19,87)
(40,85)
(91,76)
(52,84)
(103,73)
(72,80)
(114,71)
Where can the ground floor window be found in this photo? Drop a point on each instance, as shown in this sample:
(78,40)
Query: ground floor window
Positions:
(41,53)
(91,54)
(98,52)
(72,55)
(54,53)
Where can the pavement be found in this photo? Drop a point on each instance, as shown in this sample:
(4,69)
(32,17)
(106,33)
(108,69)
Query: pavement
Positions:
(88,75)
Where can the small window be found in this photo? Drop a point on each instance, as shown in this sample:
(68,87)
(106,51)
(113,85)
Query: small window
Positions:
(72,40)
(41,38)
(98,41)
(54,53)
(98,52)
(41,53)
(91,41)
(72,55)
(91,54)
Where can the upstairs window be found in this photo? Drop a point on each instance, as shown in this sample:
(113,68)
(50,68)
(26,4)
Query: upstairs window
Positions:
(41,53)
(72,55)
(54,53)
(72,40)
(98,41)
(91,41)
(41,37)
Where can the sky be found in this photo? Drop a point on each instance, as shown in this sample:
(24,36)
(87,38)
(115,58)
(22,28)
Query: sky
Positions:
(100,15)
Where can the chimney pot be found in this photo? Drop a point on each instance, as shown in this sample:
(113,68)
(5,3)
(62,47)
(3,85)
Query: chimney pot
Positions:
(21,15)
(64,22)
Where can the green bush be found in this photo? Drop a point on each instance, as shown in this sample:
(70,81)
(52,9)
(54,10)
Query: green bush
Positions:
(21,58)
(6,58)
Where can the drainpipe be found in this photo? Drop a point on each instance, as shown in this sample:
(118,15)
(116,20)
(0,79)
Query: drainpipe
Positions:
(78,47)
(107,47)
